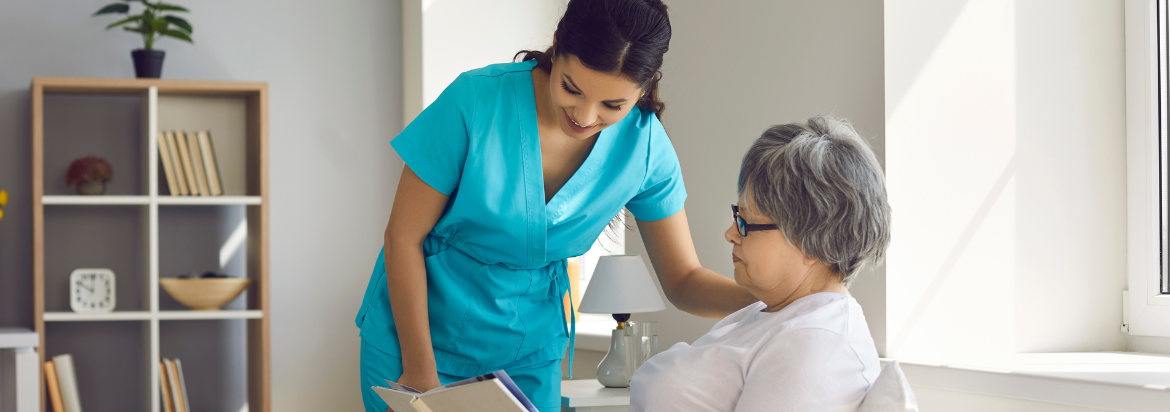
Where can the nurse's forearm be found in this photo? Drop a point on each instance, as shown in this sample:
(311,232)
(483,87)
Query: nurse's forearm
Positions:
(710,295)
(406,279)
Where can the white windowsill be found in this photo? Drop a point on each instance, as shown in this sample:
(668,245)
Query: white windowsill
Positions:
(1124,381)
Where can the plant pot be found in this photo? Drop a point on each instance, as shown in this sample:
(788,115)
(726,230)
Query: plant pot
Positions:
(96,187)
(148,63)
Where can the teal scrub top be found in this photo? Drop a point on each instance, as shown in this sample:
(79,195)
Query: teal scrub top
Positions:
(495,260)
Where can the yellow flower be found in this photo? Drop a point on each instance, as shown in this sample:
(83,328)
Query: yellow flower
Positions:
(3,198)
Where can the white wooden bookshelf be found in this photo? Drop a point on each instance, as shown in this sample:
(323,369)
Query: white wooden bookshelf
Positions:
(245,151)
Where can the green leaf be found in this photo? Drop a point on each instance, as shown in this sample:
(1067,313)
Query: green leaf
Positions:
(158,25)
(179,22)
(113,8)
(166,7)
(124,21)
(178,35)
(138,30)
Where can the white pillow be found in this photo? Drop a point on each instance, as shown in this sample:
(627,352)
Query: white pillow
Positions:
(890,392)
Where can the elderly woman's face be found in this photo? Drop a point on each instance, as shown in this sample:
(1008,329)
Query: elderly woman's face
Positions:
(765,262)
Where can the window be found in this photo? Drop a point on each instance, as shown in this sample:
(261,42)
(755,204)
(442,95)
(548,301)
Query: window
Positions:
(611,242)
(1147,51)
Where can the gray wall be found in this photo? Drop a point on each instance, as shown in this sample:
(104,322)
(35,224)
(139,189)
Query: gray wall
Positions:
(335,100)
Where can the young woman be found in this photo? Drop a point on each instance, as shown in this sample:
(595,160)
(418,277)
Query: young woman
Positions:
(513,169)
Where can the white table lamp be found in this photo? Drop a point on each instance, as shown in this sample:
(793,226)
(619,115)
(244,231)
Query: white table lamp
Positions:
(620,285)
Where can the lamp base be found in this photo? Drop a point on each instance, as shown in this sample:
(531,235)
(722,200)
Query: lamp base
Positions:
(616,369)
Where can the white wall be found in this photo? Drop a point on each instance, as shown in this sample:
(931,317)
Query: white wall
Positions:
(1005,154)
(455,36)
(734,70)
(334,104)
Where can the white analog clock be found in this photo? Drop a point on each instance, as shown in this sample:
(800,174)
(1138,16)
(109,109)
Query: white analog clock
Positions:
(92,290)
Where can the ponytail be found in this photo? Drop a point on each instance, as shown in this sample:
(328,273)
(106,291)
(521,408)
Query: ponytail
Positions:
(650,100)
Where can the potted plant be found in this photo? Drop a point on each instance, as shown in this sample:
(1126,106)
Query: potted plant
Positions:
(151,25)
(88,175)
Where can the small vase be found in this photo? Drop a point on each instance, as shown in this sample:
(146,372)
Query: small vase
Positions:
(616,368)
(148,63)
(96,187)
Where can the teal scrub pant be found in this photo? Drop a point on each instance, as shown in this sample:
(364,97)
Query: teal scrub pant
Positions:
(540,382)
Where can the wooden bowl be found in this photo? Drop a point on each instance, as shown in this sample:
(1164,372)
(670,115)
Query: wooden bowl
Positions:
(204,293)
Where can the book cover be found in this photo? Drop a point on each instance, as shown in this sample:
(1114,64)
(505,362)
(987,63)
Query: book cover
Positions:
(493,392)
(186,398)
(54,389)
(165,385)
(177,164)
(67,382)
(209,164)
(176,390)
(164,156)
(197,163)
(188,168)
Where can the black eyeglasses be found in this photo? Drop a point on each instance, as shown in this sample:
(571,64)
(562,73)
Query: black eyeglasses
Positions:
(744,227)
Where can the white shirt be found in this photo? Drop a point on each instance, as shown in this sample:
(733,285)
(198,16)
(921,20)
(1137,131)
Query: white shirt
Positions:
(816,354)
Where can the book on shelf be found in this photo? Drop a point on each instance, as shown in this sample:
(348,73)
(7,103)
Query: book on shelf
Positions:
(177,165)
(67,382)
(188,168)
(178,385)
(197,163)
(493,392)
(54,388)
(210,166)
(182,385)
(164,385)
(164,155)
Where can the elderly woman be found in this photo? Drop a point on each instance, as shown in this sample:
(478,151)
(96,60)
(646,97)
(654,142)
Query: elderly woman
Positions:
(812,213)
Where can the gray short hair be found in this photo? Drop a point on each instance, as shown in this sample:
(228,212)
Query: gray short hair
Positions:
(822,185)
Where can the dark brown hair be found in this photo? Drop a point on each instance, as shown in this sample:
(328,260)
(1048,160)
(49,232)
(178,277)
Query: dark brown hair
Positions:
(626,36)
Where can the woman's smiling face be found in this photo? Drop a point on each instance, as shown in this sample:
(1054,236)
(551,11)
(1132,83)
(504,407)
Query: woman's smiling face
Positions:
(587,100)
(765,262)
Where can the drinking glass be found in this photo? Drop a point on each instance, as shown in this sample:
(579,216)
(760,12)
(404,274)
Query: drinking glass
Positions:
(648,332)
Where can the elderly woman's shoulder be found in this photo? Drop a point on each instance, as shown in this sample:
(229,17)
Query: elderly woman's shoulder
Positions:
(831,313)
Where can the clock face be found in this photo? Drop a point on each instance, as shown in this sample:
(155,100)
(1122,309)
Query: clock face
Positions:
(91,290)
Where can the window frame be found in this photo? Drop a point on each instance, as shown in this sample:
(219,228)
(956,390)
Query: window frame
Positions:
(1147,309)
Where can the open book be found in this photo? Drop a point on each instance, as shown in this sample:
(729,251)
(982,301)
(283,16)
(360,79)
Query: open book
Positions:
(494,392)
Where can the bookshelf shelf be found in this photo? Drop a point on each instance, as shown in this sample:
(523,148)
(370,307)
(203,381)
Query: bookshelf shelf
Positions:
(120,119)
(92,317)
(161,315)
(145,200)
(209,200)
(209,314)
(95,200)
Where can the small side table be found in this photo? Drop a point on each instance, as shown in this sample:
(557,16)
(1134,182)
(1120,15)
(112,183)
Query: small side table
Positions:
(20,371)
(587,395)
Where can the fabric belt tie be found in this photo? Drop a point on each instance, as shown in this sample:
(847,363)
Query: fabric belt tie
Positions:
(560,274)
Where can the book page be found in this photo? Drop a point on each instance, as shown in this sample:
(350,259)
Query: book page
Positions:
(399,401)
(484,396)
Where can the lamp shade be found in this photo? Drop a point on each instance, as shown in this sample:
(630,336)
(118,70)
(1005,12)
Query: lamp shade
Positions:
(621,284)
